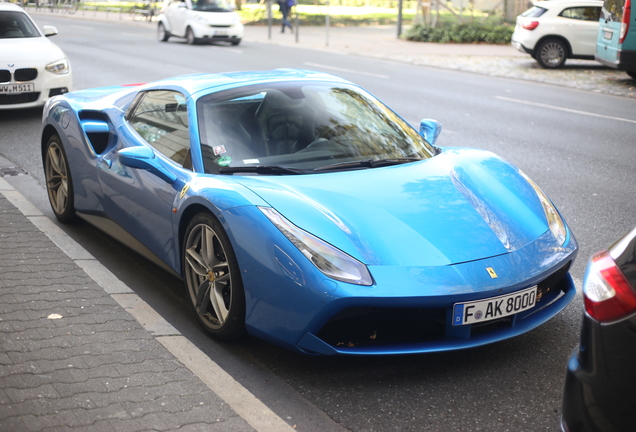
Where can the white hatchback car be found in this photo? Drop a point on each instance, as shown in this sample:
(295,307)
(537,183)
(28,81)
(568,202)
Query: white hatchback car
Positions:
(32,68)
(200,21)
(553,31)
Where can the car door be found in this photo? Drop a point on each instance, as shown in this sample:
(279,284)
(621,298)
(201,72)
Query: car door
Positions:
(177,15)
(582,28)
(140,201)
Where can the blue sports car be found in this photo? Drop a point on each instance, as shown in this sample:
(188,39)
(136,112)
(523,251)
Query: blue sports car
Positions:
(300,209)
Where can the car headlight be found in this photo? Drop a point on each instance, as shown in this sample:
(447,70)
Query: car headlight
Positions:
(59,67)
(331,261)
(557,227)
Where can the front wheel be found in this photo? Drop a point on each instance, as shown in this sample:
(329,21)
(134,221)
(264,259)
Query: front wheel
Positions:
(59,184)
(162,34)
(235,42)
(213,278)
(190,39)
(551,54)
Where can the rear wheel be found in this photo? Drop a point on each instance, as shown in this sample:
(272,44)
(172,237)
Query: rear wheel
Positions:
(213,278)
(551,53)
(59,184)
(162,34)
(190,37)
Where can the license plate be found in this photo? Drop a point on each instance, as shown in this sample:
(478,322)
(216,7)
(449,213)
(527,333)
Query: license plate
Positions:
(607,34)
(220,33)
(494,307)
(17,88)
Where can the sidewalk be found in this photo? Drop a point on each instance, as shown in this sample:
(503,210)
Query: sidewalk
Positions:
(382,42)
(79,351)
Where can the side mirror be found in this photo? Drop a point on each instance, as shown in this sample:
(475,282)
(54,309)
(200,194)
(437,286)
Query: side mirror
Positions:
(49,30)
(144,158)
(430,130)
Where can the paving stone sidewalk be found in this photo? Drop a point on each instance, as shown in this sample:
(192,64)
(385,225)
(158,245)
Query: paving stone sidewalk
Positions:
(72,359)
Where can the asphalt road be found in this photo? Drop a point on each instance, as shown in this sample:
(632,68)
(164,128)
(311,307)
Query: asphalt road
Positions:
(578,146)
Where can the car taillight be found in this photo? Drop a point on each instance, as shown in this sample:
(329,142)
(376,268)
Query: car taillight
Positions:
(608,295)
(627,11)
(531,25)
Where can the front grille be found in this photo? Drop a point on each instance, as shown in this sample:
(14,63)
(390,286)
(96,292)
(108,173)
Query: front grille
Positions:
(377,326)
(5,76)
(12,99)
(220,26)
(356,327)
(552,281)
(26,74)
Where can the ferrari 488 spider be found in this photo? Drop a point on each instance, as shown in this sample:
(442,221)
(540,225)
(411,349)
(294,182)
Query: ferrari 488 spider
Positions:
(298,208)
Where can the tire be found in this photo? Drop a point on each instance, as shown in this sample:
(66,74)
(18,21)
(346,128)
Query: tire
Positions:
(213,278)
(190,39)
(162,34)
(59,183)
(235,42)
(551,53)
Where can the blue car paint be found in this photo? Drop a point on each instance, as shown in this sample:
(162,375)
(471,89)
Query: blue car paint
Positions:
(288,299)
(345,209)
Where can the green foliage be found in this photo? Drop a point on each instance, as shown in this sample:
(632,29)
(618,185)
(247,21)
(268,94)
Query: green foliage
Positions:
(461,33)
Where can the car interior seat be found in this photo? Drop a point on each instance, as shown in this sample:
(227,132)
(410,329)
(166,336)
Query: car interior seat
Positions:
(285,123)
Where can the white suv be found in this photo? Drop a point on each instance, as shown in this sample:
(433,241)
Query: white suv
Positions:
(553,31)
(200,21)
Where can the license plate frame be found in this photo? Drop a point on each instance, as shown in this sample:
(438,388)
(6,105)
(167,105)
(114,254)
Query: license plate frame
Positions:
(17,88)
(607,34)
(484,310)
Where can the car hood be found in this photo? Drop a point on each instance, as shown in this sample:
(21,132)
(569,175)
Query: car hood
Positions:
(33,52)
(459,206)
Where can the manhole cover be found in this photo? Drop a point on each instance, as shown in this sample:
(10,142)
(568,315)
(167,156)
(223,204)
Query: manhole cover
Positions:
(11,171)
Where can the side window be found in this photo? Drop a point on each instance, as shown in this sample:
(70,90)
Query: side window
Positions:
(161,118)
(588,13)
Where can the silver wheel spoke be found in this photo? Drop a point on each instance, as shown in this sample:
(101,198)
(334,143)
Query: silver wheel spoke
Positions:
(54,157)
(208,275)
(203,297)
(218,302)
(196,262)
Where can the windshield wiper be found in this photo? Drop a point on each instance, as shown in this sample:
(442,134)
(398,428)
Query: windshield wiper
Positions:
(260,169)
(367,163)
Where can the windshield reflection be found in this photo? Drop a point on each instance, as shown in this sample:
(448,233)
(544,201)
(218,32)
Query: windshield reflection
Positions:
(303,126)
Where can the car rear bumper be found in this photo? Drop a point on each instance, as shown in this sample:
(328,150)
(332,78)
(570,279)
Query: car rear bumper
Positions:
(625,61)
(599,393)
(520,47)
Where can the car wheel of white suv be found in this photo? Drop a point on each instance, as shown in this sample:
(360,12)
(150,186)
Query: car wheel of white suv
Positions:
(551,53)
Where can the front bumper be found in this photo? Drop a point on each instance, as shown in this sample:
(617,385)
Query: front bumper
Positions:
(46,85)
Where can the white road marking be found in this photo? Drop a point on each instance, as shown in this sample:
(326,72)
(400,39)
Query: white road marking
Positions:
(322,66)
(82,27)
(563,109)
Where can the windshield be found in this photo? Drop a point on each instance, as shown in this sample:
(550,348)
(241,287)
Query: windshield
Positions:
(211,5)
(305,127)
(15,24)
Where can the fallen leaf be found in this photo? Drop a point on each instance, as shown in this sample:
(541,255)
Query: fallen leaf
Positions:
(54,316)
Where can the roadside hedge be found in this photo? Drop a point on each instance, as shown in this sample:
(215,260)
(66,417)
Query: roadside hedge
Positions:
(461,33)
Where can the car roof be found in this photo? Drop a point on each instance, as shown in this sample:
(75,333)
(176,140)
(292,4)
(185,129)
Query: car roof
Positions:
(558,3)
(205,81)
(10,7)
